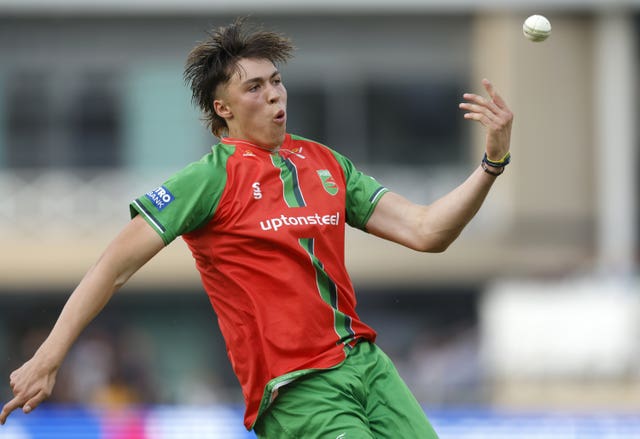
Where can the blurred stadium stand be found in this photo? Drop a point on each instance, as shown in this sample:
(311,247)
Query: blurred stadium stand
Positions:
(535,308)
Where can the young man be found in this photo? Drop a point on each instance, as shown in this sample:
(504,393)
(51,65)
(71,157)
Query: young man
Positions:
(264,216)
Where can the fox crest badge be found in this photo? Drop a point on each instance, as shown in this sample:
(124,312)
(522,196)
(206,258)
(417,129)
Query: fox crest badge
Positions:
(328,182)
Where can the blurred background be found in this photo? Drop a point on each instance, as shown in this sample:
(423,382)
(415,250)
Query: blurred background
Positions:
(528,326)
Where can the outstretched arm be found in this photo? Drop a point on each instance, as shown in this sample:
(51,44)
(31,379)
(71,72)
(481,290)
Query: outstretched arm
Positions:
(434,227)
(33,382)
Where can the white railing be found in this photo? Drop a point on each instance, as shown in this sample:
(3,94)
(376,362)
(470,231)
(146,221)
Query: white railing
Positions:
(37,204)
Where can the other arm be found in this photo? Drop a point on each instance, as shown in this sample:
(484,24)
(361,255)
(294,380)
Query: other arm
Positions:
(33,382)
(434,227)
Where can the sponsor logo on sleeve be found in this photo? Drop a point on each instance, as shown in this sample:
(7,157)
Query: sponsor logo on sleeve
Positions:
(160,197)
(328,181)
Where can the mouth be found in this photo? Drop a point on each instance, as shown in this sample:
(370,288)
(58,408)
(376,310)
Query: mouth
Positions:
(280,117)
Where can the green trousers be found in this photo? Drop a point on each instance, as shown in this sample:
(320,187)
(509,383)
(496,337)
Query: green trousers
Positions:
(363,398)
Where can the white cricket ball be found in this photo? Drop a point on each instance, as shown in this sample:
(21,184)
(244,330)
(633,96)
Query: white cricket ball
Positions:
(536,28)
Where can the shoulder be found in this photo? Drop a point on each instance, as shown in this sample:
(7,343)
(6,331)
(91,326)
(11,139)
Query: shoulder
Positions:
(213,162)
(311,146)
(322,151)
(218,156)
(297,140)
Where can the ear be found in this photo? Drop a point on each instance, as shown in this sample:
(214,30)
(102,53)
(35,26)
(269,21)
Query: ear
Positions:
(222,109)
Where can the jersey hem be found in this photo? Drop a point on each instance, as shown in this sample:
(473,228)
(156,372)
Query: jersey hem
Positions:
(271,389)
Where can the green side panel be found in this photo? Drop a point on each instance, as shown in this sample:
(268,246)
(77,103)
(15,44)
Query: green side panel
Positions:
(291,186)
(328,291)
(162,128)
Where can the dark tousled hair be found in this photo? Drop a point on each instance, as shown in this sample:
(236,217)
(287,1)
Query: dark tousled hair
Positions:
(215,60)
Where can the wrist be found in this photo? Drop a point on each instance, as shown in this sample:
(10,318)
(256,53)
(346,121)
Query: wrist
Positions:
(494,172)
(504,161)
(495,167)
(50,355)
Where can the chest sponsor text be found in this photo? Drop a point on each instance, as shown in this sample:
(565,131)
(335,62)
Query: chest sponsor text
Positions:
(296,221)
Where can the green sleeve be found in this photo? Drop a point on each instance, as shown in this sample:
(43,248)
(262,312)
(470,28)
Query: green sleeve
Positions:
(363,193)
(188,199)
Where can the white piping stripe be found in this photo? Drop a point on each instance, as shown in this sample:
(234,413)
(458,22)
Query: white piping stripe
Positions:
(150,218)
(381,191)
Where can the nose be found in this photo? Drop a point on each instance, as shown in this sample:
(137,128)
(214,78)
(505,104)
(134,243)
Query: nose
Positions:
(274,95)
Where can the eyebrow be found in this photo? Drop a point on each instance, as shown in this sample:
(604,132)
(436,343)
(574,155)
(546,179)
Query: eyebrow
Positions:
(259,79)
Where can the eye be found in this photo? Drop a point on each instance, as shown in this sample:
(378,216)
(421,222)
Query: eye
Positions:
(254,88)
(277,81)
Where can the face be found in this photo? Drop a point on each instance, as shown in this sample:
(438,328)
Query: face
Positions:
(254,103)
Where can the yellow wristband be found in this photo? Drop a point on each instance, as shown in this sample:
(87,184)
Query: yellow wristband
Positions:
(504,161)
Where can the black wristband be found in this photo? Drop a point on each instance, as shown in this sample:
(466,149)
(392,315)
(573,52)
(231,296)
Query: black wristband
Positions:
(489,170)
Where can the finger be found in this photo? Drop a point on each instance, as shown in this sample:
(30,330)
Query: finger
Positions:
(484,120)
(481,100)
(34,402)
(8,408)
(474,108)
(495,96)
(492,125)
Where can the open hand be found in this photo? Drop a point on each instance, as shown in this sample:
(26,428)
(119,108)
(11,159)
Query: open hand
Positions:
(494,114)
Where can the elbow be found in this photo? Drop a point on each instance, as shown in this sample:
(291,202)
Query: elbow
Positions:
(433,247)
(437,243)
(440,248)
(119,282)
(120,278)
(113,277)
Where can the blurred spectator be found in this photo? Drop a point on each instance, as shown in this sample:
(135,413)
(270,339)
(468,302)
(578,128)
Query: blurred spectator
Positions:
(443,366)
(109,370)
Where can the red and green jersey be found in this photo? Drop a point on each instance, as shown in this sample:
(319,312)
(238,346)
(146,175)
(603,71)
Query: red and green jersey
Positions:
(267,234)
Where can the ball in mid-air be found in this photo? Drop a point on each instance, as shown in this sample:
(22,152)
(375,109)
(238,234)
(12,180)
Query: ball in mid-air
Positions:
(536,28)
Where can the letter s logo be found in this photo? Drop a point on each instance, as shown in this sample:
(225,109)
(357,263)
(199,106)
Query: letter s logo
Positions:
(257,193)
